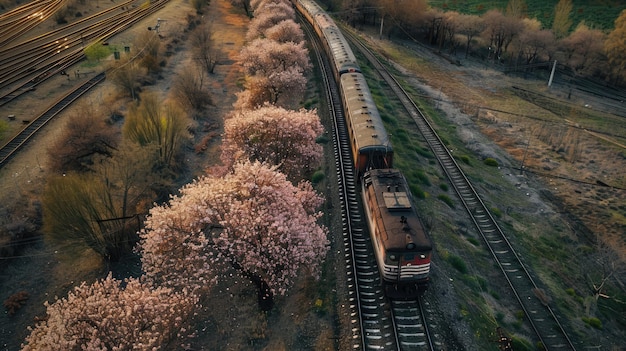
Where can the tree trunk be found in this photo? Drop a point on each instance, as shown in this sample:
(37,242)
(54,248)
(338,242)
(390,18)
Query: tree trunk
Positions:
(264,294)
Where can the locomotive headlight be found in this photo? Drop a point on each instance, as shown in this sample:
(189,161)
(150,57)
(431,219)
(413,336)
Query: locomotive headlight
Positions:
(422,256)
(393,257)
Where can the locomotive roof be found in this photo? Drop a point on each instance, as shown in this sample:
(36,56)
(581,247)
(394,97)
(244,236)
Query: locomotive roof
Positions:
(365,120)
(400,222)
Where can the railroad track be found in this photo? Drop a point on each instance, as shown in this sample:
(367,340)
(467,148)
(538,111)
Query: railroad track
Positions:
(25,65)
(17,142)
(35,124)
(14,23)
(377,323)
(541,317)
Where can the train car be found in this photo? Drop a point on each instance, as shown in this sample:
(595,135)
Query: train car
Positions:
(401,244)
(371,147)
(341,56)
(308,9)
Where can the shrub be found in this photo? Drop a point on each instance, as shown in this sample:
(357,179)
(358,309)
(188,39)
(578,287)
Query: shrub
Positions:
(317,177)
(322,139)
(474,241)
(458,263)
(491,162)
(423,178)
(443,186)
(496,212)
(465,159)
(521,344)
(15,302)
(424,152)
(445,198)
(593,322)
(417,191)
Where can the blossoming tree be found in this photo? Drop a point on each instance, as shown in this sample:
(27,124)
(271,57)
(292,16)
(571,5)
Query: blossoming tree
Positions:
(267,15)
(114,315)
(276,136)
(253,220)
(273,71)
(285,31)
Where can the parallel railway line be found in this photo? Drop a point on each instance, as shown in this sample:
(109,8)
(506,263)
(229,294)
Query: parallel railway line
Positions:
(25,65)
(107,29)
(16,22)
(18,141)
(541,317)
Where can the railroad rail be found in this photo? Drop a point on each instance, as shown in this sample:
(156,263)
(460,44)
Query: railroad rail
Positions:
(25,65)
(110,28)
(18,141)
(541,317)
(16,22)
(377,323)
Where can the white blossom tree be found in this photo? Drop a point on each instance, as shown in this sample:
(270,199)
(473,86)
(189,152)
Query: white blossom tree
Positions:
(275,72)
(284,88)
(273,135)
(265,56)
(253,220)
(267,15)
(285,31)
(114,315)
(257,4)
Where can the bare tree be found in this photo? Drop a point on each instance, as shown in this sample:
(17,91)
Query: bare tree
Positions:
(190,90)
(470,26)
(583,49)
(245,4)
(605,268)
(204,49)
(403,16)
(99,209)
(150,49)
(450,29)
(533,42)
(163,126)
(499,32)
(86,136)
(127,75)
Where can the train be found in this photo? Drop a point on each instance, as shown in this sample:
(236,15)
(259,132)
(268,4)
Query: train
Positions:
(401,244)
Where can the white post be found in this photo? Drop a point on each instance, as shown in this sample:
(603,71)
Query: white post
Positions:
(380,34)
(552,74)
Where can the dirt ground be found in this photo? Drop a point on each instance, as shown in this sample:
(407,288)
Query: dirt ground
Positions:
(305,319)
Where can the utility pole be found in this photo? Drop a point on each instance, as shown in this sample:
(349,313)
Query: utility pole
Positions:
(552,74)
